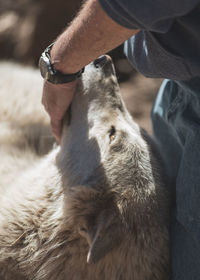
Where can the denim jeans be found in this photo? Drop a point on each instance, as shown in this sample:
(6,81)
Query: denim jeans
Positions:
(176,126)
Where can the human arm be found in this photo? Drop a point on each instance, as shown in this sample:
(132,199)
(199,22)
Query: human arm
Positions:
(91,34)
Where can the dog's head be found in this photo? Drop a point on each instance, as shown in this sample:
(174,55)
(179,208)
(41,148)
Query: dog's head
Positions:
(99,135)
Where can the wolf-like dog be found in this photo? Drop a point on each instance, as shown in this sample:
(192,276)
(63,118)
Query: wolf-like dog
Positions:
(96,207)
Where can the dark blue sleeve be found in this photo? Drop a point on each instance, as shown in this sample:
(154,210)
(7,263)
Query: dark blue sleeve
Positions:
(151,15)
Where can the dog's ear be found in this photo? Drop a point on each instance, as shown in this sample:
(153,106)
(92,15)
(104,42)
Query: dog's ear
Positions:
(98,220)
(102,235)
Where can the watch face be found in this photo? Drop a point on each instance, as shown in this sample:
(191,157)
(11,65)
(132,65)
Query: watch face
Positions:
(44,65)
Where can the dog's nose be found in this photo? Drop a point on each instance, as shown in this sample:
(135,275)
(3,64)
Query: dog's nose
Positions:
(100,61)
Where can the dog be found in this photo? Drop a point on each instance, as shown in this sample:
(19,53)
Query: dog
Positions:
(96,207)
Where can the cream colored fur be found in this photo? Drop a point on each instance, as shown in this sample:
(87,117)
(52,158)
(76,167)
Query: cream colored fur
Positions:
(94,209)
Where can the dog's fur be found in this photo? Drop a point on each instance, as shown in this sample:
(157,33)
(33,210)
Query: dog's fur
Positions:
(94,209)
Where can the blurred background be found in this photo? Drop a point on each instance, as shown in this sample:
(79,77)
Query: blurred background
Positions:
(27,27)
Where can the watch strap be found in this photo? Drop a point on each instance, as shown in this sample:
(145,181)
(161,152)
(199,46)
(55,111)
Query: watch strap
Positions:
(51,74)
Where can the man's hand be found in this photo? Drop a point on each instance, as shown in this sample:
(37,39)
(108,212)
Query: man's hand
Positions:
(56,99)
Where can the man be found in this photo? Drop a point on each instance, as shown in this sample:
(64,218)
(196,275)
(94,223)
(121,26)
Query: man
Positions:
(166,43)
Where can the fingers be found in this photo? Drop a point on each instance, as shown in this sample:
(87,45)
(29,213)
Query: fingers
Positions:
(56,99)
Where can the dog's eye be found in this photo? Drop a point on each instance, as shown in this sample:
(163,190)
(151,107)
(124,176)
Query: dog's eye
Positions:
(112,133)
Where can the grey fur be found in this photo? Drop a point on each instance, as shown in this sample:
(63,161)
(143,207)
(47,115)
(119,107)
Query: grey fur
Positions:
(96,208)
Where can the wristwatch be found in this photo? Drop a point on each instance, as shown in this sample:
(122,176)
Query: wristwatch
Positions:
(52,75)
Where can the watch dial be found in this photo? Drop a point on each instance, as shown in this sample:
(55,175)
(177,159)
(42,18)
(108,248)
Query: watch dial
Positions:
(43,65)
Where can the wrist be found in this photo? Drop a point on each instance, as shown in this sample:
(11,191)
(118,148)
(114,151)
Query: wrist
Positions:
(53,75)
(60,64)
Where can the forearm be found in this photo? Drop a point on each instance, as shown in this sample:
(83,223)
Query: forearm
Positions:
(91,34)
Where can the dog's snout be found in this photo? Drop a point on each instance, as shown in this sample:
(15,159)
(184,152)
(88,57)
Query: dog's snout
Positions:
(101,61)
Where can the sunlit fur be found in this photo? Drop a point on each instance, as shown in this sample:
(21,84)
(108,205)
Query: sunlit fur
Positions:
(95,208)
